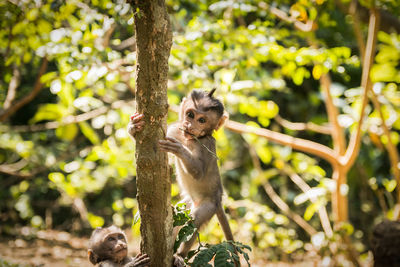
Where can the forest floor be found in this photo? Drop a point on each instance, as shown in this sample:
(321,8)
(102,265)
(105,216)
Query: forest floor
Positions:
(61,249)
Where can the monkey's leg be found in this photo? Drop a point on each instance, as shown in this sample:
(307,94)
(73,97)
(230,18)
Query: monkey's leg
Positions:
(201,214)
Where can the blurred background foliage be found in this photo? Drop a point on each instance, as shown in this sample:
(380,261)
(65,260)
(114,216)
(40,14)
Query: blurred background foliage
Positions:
(67,90)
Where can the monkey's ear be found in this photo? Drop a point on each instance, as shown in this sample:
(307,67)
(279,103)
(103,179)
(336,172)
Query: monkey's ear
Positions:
(181,115)
(211,92)
(222,120)
(92,257)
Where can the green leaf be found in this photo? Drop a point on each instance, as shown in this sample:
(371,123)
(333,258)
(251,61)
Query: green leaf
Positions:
(57,177)
(264,153)
(385,72)
(95,221)
(67,132)
(310,211)
(390,185)
(136,218)
(221,258)
(48,77)
(49,112)
(181,215)
(89,133)
(185,233)
(203,258)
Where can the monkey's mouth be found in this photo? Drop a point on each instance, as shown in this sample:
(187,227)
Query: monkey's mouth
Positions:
(187,133)
(120,250)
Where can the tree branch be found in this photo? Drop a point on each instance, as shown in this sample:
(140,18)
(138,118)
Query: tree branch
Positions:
(296,143)
(323,214)
(299,126)
(357,28)
(393,153)
(339,142)
(36,89)
(390,147)
(354,146)
(304,27)
(12,88)
(127,43)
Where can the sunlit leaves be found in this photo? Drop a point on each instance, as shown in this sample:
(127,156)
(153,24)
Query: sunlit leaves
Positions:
(224,254)
(387,59)
(50,112)
(95,221)
(13,142)
(89,133)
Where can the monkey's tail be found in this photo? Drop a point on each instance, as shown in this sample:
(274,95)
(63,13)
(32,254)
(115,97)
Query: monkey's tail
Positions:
(226,228)
(224,223)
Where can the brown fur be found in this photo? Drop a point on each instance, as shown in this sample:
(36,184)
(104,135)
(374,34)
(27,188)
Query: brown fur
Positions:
(191,141)
(108,248)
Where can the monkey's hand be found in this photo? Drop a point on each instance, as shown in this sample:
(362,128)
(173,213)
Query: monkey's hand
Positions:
(193,163)
(140,260)
(135,124)
(172,145)
(178,261)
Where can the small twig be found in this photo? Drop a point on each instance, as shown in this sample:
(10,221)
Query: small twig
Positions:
(36,89)
(12,88)
(195,137)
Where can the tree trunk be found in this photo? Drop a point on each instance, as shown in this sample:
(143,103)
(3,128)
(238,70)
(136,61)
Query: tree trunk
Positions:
(153,44)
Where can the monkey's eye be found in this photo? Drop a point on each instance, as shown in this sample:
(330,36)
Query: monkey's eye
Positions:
(110,238)
(190,114)
(202,120)
(120,237)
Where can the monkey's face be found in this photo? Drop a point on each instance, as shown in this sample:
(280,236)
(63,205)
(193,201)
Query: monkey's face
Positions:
(197,123)
(115,243)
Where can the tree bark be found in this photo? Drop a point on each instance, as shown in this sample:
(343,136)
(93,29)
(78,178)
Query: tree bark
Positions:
(153,44)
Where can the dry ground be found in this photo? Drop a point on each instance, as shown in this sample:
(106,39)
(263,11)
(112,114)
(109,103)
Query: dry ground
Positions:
(60,249)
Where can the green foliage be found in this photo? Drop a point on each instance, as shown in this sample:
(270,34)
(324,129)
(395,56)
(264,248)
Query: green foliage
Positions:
(224,254)
(182,218)
(70,143)
(4,263)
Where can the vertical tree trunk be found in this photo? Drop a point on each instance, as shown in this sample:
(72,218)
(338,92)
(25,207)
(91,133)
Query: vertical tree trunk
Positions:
(153,41)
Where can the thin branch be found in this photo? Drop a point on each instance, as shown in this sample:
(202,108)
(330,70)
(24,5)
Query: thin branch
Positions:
(108,34)
(296,143)
(323,214)
(390,147)
(309,26)
(389,22)
(13,168)
(393,153)
(127,43)
(339,141)
(12,88)
(357,28)
(36,89)
(277,200)
(299,126)
(287,211)
(354,146)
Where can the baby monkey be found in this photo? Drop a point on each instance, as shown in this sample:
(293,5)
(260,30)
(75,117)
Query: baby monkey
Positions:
(191,141)
(108,248)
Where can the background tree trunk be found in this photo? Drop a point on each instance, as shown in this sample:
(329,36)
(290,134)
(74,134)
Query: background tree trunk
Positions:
(153,42)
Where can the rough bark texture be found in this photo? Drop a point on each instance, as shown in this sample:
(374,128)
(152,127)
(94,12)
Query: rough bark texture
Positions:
(153,44)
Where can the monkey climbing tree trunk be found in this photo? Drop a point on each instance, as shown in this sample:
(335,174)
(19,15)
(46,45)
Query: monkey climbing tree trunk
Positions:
(153,44)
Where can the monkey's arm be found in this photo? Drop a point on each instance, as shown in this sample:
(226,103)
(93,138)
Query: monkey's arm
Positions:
(191,159)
